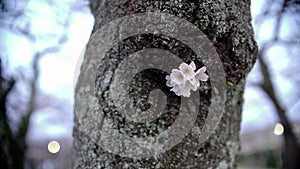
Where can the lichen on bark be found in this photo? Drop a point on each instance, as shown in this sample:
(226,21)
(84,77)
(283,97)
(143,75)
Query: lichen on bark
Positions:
(227,25)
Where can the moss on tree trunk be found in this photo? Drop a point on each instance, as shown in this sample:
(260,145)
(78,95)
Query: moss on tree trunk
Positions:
(227,25)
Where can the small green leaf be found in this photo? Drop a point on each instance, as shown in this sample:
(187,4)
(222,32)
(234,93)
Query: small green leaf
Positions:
(216,90)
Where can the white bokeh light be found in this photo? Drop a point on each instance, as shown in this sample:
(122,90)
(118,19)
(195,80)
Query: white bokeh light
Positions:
(53,147)
(278,129)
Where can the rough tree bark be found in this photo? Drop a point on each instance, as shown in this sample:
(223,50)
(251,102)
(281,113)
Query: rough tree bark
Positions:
(227,25)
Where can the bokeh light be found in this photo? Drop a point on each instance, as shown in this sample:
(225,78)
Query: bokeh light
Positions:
(278,129)
(53,147)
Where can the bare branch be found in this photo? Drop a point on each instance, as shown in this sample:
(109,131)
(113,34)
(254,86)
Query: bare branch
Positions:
(23,128)
(291,152)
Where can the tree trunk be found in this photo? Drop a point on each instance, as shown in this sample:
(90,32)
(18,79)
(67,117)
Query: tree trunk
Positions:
(126,61)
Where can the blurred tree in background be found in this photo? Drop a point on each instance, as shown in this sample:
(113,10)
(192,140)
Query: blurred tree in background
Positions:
(288,37)
(275,82)
(19,90)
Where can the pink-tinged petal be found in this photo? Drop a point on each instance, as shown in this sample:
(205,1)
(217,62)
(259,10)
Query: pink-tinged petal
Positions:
(186,70)
(183,66)
(194,87)
(191,86)
(194,81)
(178,93)
(173,83)
(201,76)
(169,83)
(192,65)
(186,88)
(177,76)
(175,88)
(203,69)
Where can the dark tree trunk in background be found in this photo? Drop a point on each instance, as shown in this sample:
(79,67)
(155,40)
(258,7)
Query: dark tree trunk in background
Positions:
(12,146)
(227,25)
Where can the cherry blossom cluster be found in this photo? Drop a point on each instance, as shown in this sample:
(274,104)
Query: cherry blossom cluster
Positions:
(186,78)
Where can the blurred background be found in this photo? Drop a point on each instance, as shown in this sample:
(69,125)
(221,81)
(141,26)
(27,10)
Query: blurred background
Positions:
(42,43)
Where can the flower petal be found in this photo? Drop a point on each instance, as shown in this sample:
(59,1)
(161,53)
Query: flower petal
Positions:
(186,88)
(194,81)
(177,76)
(195,86)
(201,76)
(175,88)
(186,70)
(169,83)
(203,69)
(185,79)
(192,65)
(183,66)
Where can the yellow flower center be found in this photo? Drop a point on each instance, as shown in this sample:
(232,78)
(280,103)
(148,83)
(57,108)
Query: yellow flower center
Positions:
(186,71)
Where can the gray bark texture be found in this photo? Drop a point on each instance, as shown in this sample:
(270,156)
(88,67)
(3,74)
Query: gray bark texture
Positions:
(227,24)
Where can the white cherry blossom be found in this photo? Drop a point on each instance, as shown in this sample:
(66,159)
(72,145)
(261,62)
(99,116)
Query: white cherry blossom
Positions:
(185,79)
(187,70)
(177,76)
(200,75)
